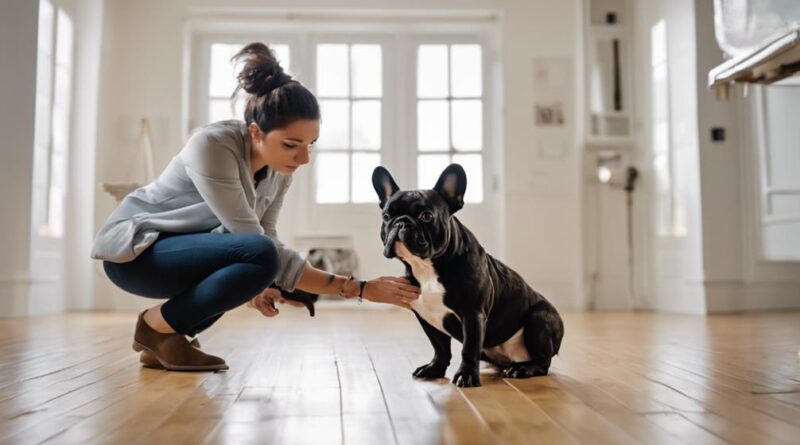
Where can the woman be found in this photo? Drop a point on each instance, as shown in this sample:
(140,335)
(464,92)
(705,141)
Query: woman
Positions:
(202,235)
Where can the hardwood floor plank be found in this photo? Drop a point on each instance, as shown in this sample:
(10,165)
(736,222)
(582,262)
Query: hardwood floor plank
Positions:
(635,424)
(681,427)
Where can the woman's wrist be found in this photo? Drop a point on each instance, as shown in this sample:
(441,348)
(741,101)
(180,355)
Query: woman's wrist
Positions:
(348,287)
(352,289)
(364,289)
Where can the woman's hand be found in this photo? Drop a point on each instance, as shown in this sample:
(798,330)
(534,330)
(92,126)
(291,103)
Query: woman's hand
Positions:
(265,302)
(393,290)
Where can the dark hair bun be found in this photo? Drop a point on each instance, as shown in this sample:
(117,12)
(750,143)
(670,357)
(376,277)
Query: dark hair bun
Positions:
(261,73)
(274,100)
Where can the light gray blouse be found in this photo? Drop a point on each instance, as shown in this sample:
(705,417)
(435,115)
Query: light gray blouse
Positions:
(207,187)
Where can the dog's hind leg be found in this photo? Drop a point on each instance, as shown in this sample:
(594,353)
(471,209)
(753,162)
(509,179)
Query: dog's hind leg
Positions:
(542,334)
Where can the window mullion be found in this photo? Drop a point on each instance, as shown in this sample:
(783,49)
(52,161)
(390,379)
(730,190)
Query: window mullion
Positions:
(350,121)
(450,149)
(51,113)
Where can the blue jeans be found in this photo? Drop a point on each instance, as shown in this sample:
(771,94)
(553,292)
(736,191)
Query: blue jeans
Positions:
(202,275)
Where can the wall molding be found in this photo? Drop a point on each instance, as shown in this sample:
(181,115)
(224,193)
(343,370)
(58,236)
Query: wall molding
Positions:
(738,296)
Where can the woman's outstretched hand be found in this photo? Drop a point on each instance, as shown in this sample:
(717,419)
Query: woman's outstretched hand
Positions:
(393,290)
(265,302)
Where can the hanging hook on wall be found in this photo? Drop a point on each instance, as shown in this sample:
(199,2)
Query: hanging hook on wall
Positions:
(142,158)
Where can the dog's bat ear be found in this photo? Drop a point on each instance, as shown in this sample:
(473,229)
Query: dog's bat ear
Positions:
(452,185)
(384,184)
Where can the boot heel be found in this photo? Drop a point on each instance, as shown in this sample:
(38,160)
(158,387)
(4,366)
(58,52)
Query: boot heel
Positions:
(137,347)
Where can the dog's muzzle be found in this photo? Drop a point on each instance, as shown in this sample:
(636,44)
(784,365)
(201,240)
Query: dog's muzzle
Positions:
(391,237)
(400,232)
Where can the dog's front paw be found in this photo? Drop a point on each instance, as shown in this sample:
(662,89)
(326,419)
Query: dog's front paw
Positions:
(433,370)
(467,377)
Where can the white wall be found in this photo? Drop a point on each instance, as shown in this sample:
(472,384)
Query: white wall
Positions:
(18,36)
(142,75)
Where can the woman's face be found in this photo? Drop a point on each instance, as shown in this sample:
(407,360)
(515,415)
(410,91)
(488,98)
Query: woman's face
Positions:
(285,149)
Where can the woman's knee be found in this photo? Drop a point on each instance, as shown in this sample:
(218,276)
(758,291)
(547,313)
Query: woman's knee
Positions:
(111,271)
(261,250)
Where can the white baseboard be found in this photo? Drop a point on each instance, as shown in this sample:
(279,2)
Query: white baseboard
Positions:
(29,296)
(733,296)
(679,296)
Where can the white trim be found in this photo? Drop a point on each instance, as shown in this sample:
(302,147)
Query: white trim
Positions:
(778,220)
(252,26)
(28,279)
(313,15)
(783,190)
(737,296)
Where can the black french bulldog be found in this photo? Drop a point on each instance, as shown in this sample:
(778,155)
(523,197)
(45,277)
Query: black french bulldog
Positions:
(465,292)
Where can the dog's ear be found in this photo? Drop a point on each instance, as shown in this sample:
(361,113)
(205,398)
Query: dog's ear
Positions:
(384,184)
(451,185)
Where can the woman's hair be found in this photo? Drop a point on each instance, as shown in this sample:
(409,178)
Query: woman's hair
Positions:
(275,99)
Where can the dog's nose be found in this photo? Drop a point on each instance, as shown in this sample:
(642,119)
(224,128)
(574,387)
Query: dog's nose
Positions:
(401,224)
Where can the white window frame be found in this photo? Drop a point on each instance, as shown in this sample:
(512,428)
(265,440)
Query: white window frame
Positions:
(43,238)
(486,105)
(388,98)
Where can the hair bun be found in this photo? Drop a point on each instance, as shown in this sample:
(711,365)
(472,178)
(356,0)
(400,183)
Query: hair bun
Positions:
(261,72)
(275,80)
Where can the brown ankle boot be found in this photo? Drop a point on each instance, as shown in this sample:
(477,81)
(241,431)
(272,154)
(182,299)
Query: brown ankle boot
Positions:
(148,361)
(173,351)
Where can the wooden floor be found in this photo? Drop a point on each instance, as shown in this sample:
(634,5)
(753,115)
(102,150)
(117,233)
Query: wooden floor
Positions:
(344,377)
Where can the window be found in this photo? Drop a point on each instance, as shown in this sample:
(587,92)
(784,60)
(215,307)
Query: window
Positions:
(436,106)
(222,79)
(450,114)
(670,214)
(52,127)
(350,91)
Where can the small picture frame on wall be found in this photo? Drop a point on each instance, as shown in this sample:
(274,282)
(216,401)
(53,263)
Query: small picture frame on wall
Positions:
(549,114)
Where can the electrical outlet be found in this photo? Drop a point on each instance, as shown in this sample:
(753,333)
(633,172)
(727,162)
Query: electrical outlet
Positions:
(718,134)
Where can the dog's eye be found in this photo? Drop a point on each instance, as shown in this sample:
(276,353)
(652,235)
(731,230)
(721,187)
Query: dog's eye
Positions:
(386,217)
(426,216)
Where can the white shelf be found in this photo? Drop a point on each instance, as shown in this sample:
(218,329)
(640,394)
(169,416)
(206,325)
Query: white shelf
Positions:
(595,142)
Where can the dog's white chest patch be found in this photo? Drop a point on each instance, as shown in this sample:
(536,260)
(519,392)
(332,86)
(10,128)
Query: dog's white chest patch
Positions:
(430,305)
